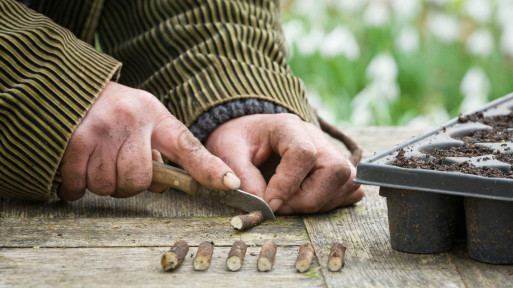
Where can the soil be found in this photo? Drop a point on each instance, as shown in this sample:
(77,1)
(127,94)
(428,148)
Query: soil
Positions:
(499,134)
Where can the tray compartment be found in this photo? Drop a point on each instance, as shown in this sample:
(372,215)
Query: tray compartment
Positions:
(489,230)
(420,222)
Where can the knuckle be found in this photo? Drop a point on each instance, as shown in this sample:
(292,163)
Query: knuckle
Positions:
(305,151)
(341,171)
(125,109)
(187,143)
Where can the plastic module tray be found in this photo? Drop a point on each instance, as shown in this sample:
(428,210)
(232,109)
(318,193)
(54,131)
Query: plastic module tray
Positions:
(427,208)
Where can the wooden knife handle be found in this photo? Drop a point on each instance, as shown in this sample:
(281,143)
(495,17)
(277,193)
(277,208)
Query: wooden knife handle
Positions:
(174,178)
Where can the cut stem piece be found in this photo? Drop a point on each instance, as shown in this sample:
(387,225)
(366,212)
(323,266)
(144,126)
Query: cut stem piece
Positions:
(304,257)
(236,256)
(175,256)
(336,259)
(244,222)
(203,257)
(266,258)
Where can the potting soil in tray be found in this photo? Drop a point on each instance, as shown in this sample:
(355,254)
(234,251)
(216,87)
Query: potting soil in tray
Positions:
(458,173)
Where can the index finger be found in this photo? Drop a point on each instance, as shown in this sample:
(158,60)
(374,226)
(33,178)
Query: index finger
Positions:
(177,143)
(298,154)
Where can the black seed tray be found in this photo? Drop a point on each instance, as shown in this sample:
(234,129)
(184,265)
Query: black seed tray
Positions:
(425,206)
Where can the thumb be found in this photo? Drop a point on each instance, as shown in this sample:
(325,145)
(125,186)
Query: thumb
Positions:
(177,144)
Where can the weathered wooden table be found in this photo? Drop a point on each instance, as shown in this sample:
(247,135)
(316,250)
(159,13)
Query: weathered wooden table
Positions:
(101,241)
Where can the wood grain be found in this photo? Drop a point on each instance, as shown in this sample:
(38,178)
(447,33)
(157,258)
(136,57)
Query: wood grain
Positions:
(476,274)
(174,177)
(133,232)
(140,267)
(168,204)
(103,241)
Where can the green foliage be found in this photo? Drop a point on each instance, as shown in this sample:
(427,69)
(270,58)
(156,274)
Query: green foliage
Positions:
(429,78)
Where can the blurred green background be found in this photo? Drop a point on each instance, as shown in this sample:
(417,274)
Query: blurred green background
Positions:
(400,62)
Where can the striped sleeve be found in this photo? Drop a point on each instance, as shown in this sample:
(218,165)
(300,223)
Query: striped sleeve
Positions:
(197,55)
(48,80)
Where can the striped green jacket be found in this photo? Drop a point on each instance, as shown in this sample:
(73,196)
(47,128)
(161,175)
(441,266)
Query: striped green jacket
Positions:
(193,55)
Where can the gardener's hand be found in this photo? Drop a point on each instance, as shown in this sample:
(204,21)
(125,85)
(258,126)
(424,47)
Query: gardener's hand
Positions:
(110,152)
(312,175)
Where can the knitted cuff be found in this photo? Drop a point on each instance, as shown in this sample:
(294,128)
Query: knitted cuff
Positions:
(218,115)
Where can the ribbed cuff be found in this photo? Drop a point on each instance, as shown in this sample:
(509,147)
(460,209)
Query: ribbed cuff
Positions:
(218,115)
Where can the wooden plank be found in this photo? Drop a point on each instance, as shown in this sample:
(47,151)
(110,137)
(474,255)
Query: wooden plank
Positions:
(376,139)
(116,232)
(370,261)
(476,274)
(169,204)
(140,267)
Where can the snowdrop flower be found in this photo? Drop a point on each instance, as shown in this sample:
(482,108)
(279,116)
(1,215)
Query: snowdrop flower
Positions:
(435,117)
(505,20)
(340,41)
(505,12)
(438,2)
(407,41)
(315,11)
(479,10)
(507,40)
(376,14)
(406,9)
(444,27)
(309,43)
(371,105)
(475,88)
(349,6)
(382,68)
(480,43)
(293,30)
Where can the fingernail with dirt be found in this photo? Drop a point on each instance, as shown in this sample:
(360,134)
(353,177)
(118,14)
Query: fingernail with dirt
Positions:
(231,181)
(275,204)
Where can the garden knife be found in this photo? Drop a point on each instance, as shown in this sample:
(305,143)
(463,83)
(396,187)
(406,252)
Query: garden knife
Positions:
(181,180)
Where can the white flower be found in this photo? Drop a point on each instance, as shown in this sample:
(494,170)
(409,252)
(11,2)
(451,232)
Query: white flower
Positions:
(315,11)
(505,12)
(376,14)
(406,9)
(479,10)
(348,6)
(438,2)
(293,31)
(480,43)
(475,88)
(444,27)
(382,68)
(371,105)
(309,43)
(340,41)
(436,116)
(407,41)
(507,40)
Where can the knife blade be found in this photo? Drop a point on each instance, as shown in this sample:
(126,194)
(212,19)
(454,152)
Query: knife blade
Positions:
(181,180)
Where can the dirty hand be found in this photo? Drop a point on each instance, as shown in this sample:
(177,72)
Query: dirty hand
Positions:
(111,150)
(311,175)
